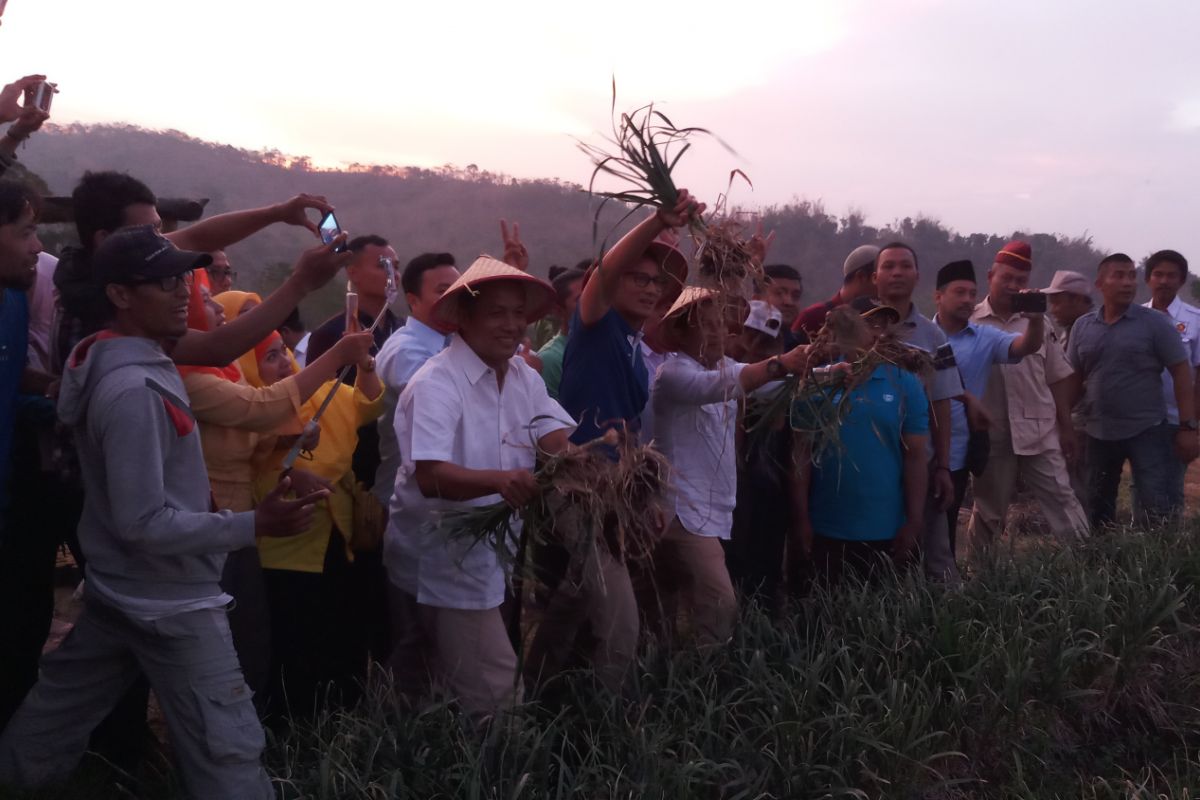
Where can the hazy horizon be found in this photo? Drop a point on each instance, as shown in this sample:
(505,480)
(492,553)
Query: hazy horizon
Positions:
(1074,117)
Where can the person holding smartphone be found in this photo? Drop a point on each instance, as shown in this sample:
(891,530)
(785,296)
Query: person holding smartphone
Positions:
(1032,438)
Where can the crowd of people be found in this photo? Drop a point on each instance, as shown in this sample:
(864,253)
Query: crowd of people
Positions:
(151,413)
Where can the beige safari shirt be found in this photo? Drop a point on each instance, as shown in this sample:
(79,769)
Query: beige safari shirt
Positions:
(1018,395)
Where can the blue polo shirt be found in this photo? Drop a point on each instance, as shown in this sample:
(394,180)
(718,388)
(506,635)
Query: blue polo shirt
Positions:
(14,342)
(857,489)
(605,383)
(976,348)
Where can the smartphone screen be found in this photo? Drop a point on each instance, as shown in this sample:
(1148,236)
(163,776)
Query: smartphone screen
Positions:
(330,229)
(1029,303)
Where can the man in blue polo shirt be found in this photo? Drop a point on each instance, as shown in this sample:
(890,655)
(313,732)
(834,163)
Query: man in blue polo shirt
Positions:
(605,385)
(866,498)
(976,349)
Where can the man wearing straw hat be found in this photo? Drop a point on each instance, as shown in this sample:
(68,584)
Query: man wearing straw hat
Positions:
(1069,297)
(605,385)
(696,399)
(470,424)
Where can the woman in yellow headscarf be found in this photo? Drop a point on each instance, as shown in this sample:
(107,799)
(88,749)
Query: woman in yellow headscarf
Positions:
(317,643)
(232,417)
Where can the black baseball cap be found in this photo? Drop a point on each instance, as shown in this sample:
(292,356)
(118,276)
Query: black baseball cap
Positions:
(869,307)
(140,251)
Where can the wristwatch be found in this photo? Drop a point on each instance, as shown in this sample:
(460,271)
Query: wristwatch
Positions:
(1189,425)
(775,368)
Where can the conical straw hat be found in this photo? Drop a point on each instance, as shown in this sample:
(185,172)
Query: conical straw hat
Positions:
(539,295)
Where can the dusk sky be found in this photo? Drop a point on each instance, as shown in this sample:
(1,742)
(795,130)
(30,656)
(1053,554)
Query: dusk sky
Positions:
(1067,116)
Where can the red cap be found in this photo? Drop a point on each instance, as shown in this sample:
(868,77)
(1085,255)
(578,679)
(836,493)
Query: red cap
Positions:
(1016,254)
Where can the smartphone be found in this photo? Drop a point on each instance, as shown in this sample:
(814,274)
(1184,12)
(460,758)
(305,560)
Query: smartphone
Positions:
(1029,303)
(330,231)
(41,95)
(351,311)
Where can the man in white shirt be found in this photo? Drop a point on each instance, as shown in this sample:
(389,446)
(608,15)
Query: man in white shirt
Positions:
(696,403)
(469,424)
(1166,272)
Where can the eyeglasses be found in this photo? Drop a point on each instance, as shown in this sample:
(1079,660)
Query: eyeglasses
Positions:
(641,280)
(222,273)
(167,284)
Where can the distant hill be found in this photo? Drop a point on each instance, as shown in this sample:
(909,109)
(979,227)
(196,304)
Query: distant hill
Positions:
(457,210)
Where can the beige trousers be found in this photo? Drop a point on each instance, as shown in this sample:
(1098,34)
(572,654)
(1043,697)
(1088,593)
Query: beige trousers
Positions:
(464,653)
(602,603)
(689,576)
(1045,475)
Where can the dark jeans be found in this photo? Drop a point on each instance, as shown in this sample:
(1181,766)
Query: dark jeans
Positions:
(960,478)
(318,637)
(834,559)
(1157,477)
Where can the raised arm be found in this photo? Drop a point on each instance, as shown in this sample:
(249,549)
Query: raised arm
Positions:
(600,289)
(223,230)
(916,488)
(1031,340)
(217,348)
(1187,444)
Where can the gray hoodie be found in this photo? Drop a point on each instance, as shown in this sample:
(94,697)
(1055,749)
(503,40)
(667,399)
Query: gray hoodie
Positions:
(148,527)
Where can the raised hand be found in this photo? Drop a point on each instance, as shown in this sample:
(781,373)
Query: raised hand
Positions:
(686,209)
(355,348)
(317,266)
(295,211)
(515,253)
(759,244)
(10,97)
(30,121)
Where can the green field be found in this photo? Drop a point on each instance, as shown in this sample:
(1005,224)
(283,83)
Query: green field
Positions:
(1073,675)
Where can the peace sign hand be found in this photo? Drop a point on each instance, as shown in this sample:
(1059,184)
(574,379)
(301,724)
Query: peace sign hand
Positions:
(759,245)
(515,253)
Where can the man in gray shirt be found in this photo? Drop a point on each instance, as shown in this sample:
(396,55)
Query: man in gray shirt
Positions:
(1119,352)
(896,279)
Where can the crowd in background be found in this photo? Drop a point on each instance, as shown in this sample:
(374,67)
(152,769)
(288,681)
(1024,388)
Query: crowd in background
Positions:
(151,413)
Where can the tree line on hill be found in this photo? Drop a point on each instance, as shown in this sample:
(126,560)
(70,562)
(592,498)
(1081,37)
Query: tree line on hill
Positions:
(457,210)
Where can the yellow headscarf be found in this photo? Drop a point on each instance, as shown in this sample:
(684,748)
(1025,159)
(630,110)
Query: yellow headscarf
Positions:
(233,302)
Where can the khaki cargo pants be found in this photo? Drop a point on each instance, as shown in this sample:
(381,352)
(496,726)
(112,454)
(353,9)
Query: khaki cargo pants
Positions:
(193,669)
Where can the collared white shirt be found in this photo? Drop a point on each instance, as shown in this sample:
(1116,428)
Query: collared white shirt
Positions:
(1187,321)
(653,361)
(696,415)
(404,352)
(453,410)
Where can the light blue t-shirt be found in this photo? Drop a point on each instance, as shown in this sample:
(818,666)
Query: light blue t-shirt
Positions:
(976,349)
(857,489)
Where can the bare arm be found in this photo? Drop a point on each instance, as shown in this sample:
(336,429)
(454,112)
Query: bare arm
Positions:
(598,293)
(350,349)
(1181,377)
(239,335)
(916,478)
(755,376)
(1066,394)
(940,417)
(1187,445)
(223,230)
(1031,340)
(1196,393)
(800,483)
